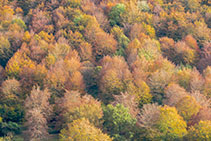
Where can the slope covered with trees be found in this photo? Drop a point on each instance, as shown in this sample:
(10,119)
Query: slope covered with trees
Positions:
(105,70)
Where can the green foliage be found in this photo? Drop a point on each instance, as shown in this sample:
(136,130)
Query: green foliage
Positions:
(118,122)
(12,118)
(115,14)
(9,127)
(11,109)
(14,114)
(123,41)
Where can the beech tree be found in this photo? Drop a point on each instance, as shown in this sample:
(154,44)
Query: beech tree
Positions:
(203,115)
(115,14)
(158,125)
(118,122)
(37,115)
(82,129)
(187,107)
(173,93)
(128,101)
(170,130)
(73,106)
(114,76)
(5,50)
(200,131)
(147,61)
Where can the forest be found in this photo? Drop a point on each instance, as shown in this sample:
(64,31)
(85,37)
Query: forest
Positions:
(105,70)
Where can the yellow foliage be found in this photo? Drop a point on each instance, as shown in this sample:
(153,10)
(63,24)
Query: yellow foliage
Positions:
(6,13)
(187,107)
(76,107)
(72,64)
(17,63)
(170,124)
(200,131)
(27,37)
(50,60)
(149,30)
(183,77)
(18,10)
(83,130)
(141,91)
(45,36)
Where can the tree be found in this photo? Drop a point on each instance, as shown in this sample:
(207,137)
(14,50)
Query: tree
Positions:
(5,50)
(205,54)
(118,122)
(37,115)
(104,44)
(20,23)
(157,83)
(18,62)
(149,115)
(187,107)
(128,101)
(6,13)
(200,131)
(40,20)
(173,93)
(138,29)
(37,125)
(184,54)
(73,106)
(65,73)
(115,14)
(11,91)
(141,91)
(191,42)
(150,49)
(11,109)
(203,115)
(85,51)
(207,84)
(2,74)
(201,32)
(161,123)
(82,129)
(170,124)
(114,77)
(190,79)
(123,41)
(167,47)
(201,99)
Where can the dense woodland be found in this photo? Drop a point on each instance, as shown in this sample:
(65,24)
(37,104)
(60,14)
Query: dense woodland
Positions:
(102,70)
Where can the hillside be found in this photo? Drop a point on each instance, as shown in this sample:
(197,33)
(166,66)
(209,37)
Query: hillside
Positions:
(102,70)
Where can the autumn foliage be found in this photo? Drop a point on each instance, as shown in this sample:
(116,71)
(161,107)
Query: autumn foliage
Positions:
(117,70)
